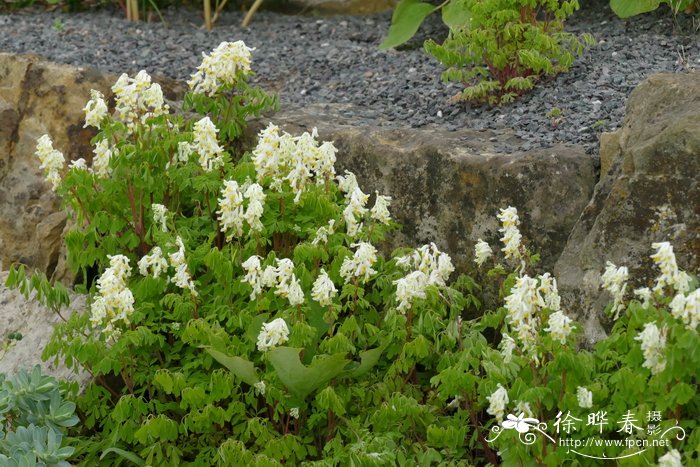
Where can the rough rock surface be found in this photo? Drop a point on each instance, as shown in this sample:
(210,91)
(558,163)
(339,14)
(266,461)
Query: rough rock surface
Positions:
(447,187)
(35,323)
(649,192)
(348,7)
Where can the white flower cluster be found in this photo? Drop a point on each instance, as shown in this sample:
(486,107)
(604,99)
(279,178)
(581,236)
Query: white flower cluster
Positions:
(653,344)
(281,277)
(182,277)
(670,276)
(355,211)
(323,232)
(227,64)
(614,280)
(260,388)
(79,164)
(273,334)
(430,267)
(231,212)
(482,252)
(114,303)
(211,155)
(95,109)
(52,160)
(103,154)
(584,397)
(671,459)
(498,402)
(380,210)
(511,234)
(137,99)
(160,216)
(507,346)
(297,160)
(154,261)
(323,289)
(360,265)
(687,308)
(524,304)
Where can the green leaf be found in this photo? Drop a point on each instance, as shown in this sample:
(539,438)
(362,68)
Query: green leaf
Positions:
(125,454)
(368,359)
(628,8)
(302,380)
(242,368)
(457,15)
(407,18)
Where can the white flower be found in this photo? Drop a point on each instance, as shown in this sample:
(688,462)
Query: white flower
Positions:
(549,292)
(256,197)
(137,100)
(114,303)
(511,234)
(294,412)
(355,210)
(273,334)
(184,151)
(347,183)
(482,252)
(78,164)
(360,265)
(159,216)
(671,459)
(269,277)
(260,387)
(584,397)
(498,402)
(323,232)
(323,289)
(524,409)
(653,341)
(645,295)
(410,288)
(614,280)
(95,109)
(230,212)
(182,277)
(253,275)
(380,211)
(671,276)
(207,146)
(153,261)
(287,284)
(507,347)
(227,64)
(559,326)
(522,304)
(687,309)
(52,160)
(103,154)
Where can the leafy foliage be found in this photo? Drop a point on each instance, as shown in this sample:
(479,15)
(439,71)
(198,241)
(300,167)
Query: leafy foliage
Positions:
(629,8)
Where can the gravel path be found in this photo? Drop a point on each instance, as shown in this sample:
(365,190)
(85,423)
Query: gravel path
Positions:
(336,60)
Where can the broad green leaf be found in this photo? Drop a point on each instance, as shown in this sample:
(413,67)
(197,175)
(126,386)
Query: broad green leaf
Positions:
(242,368)
(407,18)
(302,380)
(368,359)
(628,8)
(130,456)
(457,15)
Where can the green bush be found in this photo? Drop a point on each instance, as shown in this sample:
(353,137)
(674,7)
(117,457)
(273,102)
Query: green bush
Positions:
(241,314)
(629,8)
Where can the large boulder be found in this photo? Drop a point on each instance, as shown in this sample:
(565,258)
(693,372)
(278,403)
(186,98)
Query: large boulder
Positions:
(649,192)
(447,187)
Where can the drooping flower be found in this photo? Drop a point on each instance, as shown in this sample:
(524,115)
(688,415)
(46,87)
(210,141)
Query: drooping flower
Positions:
(253,275)
(584,397)
(549,292)
(522,305)
(228,63)
(184,151)
(524,409)
(207,146)
(78,164)
(360,265)
(430,267)
(482,252)
(559,326)
(687,308)
(507,346)
(511,234)
(323,289)
(347,183)
(273,334)
(294,413)
(645,295)
(155,261)
(670,276)
(182,277)
(671,459)
(256,197)
(286,283)
(230,213)
(409,288)
(103,154)
(52,160)
(160,216)
(380,210)
(614,280)
(497,403)
(355,211)
(114,303)
(323,232)
(137,100)
(260,387)
(653,341)
(95,109)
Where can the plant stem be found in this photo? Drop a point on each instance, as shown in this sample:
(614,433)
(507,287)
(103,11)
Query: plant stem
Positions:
(490,455)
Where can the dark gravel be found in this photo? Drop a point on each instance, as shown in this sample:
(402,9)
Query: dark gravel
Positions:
(336,60)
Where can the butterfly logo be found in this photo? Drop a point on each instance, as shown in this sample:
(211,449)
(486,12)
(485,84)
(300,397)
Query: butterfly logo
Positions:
(520,423)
